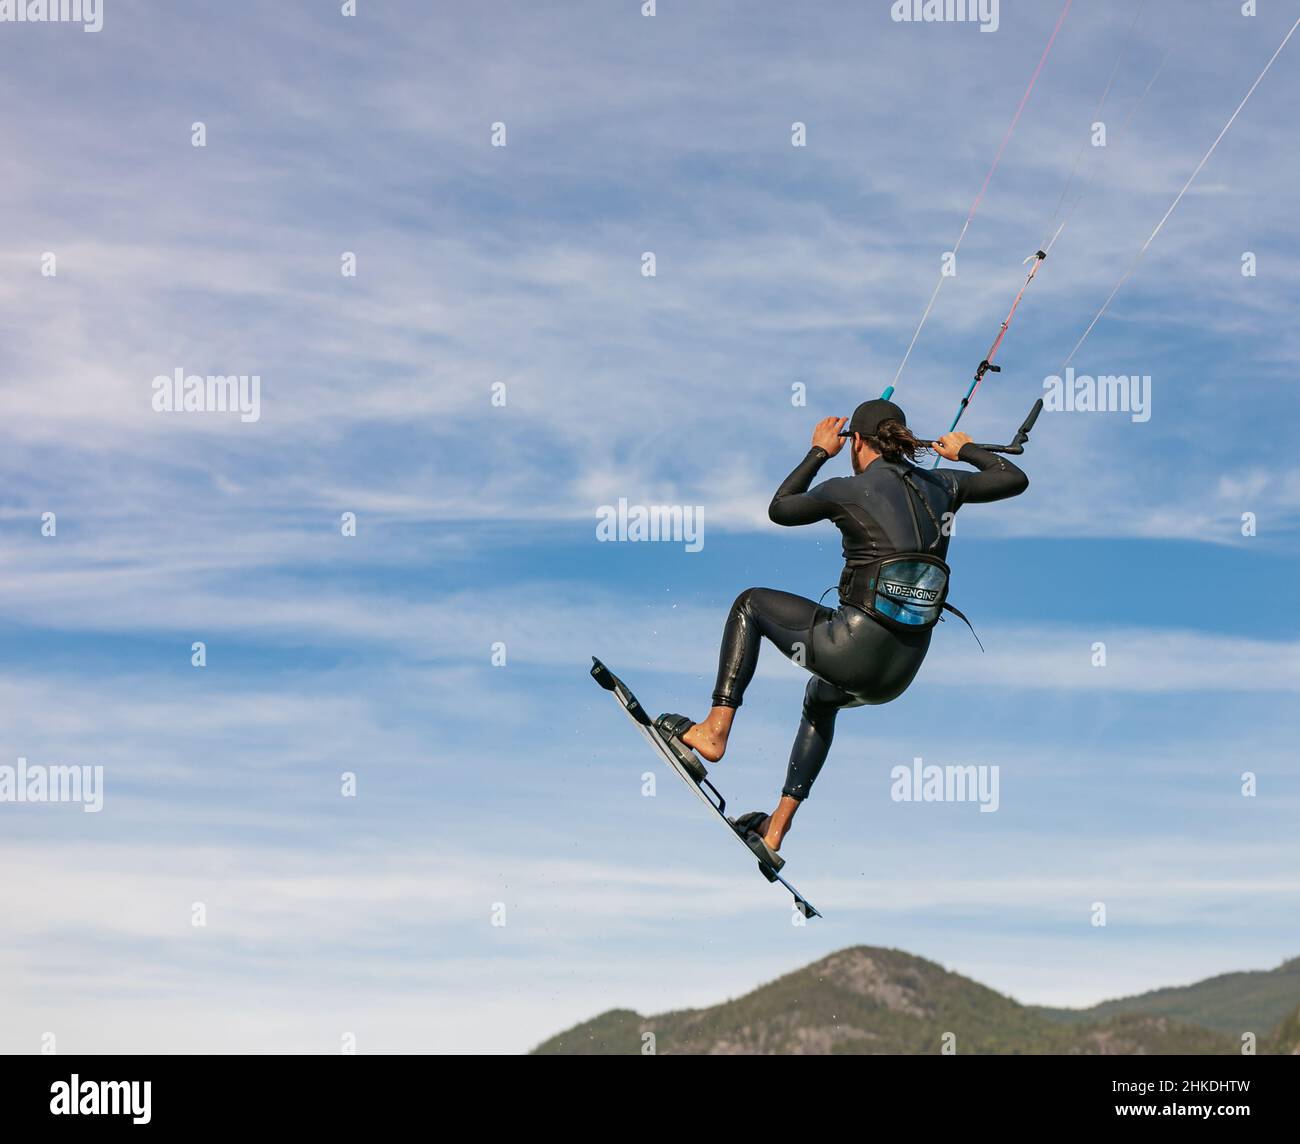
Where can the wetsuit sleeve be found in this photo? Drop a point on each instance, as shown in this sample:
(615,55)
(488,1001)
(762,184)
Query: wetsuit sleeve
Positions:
(997,478)
(793,504)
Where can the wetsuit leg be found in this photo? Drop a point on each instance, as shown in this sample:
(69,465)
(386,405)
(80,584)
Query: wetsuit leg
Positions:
(822,701)
(856,661)
(784,618)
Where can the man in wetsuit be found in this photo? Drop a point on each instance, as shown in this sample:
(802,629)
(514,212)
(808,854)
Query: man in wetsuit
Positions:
(895,521)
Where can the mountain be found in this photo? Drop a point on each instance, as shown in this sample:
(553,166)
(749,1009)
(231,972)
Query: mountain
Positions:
(866,1000)
(1233,1003)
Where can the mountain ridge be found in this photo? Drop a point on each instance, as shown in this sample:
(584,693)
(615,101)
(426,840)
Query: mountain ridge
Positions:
(874,1000)
(1244,1000)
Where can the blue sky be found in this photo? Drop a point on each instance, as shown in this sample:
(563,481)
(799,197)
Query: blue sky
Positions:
(482,265)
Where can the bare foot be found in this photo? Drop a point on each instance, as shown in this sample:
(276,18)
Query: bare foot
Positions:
(706,742)
(709,738)
(762,830)
(778,822)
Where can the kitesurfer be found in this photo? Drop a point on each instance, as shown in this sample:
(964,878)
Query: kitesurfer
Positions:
(895,521)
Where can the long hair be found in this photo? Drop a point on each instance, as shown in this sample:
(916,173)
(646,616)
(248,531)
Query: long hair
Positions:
(894,441)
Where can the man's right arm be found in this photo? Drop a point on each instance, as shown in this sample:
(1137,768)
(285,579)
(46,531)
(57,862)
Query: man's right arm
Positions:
(793,504)
(996,480)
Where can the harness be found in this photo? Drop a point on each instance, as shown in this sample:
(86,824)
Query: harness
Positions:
(906,591)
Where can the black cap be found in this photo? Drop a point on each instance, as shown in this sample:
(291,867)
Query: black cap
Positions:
(867,417)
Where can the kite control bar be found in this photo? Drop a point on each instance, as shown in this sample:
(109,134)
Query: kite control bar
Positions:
(1017,445)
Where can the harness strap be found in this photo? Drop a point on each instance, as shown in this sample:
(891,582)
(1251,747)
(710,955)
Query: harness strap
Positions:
(907,480)
(962,616)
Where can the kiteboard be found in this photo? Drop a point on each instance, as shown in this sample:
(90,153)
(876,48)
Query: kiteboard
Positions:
(693,774)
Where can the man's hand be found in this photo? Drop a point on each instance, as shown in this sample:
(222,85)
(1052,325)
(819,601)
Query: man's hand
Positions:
(949,445)
(827,434)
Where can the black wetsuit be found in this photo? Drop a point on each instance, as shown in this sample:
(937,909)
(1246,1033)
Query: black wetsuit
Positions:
(854,659)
